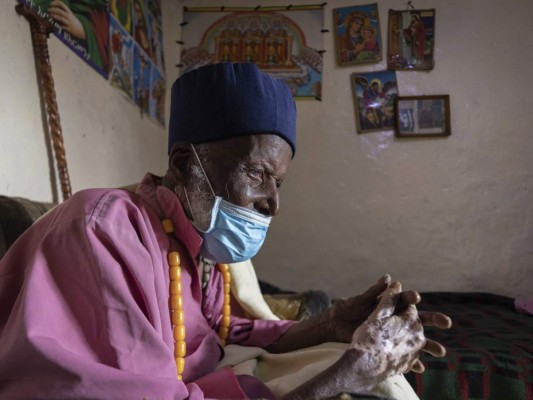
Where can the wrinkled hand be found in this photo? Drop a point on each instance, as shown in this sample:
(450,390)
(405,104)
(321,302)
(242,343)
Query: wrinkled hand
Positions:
(346,315)
(386,335)
(60,12)
(390,340)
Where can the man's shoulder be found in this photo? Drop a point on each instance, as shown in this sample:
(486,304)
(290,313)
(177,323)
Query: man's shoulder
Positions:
(92,199)
(101,204)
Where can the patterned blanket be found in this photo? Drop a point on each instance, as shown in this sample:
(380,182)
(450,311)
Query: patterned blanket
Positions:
(489,350)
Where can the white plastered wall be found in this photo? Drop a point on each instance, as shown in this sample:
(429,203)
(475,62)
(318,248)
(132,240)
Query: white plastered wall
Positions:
(107,141)
(453,214)
(448,214)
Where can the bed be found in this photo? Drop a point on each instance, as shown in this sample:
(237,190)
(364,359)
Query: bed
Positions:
(489,350)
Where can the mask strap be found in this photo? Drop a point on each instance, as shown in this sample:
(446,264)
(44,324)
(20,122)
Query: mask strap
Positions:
(202,167)
(189,204)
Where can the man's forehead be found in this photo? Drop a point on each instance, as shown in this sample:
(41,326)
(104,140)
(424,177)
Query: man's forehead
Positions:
(268,150)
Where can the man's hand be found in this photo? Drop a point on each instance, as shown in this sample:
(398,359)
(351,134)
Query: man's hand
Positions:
(346,315)
(389,341)
(339,323)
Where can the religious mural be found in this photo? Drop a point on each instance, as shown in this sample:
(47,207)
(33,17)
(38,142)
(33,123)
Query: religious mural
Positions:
(113,37)
(81,24)
(284,44)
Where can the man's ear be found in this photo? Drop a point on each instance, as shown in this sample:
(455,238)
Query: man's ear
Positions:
(179,161)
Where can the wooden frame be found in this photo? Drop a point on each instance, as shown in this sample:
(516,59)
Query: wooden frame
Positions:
(357,34)
(423,116)
(411,40)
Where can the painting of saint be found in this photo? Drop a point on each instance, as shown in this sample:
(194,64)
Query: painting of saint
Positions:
(375,94)
(357,34)
(411,40)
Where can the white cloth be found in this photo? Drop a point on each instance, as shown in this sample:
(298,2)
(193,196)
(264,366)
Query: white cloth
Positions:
(284,372)
(245,289)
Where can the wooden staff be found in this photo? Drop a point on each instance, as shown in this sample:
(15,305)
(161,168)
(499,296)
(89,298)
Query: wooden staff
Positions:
(40,31)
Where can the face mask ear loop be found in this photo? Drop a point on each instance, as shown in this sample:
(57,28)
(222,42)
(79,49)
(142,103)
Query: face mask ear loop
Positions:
(189,204)
(202,167)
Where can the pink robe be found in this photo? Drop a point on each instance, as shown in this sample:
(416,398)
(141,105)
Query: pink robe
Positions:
(84,305)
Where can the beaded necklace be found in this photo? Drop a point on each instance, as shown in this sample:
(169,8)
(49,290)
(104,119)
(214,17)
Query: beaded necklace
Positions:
(177,316)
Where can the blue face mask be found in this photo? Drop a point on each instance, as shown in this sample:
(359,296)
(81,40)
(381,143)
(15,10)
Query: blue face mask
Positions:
(235,233)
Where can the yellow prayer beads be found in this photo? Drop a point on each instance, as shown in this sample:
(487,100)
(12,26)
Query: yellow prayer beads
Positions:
(176,304)
(226,310)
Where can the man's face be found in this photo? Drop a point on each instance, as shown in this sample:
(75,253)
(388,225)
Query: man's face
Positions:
(246,171)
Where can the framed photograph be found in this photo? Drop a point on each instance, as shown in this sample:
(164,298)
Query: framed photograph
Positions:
(357,34)
(375,94)
(411,39)
(423,116)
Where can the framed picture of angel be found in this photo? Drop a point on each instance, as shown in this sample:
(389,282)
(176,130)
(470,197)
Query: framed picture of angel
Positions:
(411,39)
(423,116)
(375,95)
(357,34)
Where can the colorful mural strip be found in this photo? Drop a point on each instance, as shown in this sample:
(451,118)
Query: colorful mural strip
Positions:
(137,54)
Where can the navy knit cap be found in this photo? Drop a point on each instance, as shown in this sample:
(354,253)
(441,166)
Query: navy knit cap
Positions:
(220,101)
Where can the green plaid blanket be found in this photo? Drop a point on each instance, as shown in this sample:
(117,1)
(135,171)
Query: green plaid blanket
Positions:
(489,350)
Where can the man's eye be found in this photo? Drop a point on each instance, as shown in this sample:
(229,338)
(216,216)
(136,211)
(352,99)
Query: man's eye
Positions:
(255,173)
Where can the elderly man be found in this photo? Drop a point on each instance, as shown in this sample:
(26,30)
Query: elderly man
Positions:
(113,295)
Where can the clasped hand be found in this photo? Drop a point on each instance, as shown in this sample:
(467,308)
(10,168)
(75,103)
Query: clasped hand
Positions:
(384,324)
(385,332)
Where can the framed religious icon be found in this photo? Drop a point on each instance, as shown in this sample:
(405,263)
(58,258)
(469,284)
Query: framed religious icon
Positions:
(423,116)
(411,39)
(375,95)
(357,34)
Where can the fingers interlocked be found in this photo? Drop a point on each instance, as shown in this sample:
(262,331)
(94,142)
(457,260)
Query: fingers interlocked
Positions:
(393,337)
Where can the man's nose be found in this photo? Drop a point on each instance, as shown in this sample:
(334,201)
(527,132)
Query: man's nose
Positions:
(269,204)
(273,203)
